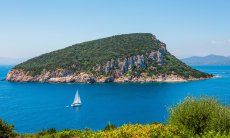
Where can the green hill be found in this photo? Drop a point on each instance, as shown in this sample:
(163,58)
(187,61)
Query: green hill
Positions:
(134,57)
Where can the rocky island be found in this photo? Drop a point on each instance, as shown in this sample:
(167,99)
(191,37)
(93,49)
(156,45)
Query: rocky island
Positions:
(137,57)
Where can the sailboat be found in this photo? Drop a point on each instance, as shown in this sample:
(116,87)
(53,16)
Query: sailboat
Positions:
(77,100)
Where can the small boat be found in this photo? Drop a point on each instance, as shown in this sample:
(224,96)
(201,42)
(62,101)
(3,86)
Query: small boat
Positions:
(77,100)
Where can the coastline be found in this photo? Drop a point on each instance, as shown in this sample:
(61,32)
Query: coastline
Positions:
(22,76)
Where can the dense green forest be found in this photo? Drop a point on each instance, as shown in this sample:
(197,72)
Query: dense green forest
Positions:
(84,57)
(194,117)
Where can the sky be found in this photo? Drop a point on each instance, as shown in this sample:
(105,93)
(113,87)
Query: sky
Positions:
(29,28)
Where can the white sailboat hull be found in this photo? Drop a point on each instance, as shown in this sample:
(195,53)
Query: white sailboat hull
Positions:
(76,104)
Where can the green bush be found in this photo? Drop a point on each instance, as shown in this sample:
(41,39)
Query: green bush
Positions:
(213,134)
(6,130)
(110,127)
(49,131)
(201,115)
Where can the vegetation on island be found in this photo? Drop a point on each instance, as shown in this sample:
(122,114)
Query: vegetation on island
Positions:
(86,56)
(172,64)
(194,117)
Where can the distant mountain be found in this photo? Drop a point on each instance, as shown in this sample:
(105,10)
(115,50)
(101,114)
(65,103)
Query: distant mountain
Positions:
(11,61)
(207,60)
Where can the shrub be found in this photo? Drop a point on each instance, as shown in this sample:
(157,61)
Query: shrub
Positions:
(213,134)
(45,132)
(6,130)
(110,127)
(201,115)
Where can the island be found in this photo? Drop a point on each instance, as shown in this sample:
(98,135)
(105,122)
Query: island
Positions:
(136,57)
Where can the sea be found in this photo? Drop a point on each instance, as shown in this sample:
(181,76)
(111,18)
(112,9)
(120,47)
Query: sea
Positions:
(33,107)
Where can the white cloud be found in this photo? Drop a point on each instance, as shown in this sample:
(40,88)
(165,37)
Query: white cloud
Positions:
(213,42)
(221,42)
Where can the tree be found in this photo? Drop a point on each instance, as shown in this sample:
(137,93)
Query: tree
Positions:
(6,130)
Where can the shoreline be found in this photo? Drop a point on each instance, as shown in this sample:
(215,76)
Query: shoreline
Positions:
(114,82)
(22,76)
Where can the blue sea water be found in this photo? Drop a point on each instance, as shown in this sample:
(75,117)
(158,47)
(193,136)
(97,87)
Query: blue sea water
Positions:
(32,107)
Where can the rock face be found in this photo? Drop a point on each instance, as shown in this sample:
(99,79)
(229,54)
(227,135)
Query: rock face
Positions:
(154,64)
(120,66)
(21,76)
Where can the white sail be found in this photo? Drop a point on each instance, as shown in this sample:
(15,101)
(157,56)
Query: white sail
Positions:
(77,99)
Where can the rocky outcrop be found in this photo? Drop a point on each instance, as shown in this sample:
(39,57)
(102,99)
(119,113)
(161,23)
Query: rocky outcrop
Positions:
(57,76)
(22,76)
(120,66)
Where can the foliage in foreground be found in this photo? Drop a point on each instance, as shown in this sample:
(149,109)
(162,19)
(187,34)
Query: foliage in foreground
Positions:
(125,131)
(202,118)
(130,131)
(6,130)
(201,115)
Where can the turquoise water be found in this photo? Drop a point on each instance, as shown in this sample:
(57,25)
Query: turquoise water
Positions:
(32,107)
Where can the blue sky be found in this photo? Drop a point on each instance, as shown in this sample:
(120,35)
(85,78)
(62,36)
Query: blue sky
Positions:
(188,27)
